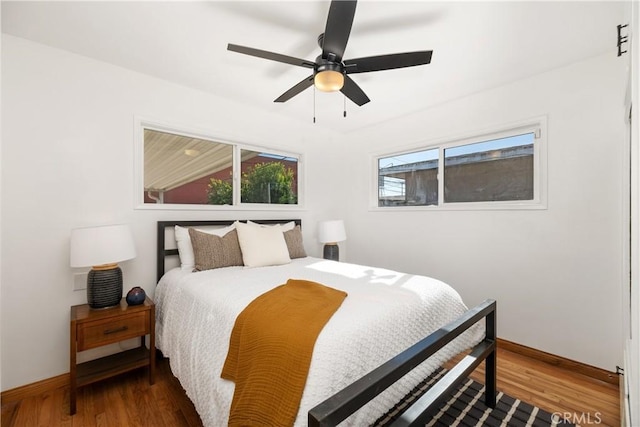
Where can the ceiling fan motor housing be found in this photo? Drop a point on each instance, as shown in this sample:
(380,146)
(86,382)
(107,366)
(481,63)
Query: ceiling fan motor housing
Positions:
(328,65)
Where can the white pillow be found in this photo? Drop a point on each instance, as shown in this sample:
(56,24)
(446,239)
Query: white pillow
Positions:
(262,246)
(185,249)
(285,227)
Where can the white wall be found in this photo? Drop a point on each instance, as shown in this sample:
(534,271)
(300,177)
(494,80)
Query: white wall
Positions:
(631,299)
(67,151)
(556,273)
(0,205)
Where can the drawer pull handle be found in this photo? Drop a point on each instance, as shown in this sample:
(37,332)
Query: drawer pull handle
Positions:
(113,331)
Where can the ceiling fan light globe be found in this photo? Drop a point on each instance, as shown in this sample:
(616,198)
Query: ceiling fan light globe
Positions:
(329,80)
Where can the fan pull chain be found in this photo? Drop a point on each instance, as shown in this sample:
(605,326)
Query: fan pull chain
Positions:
(344,113)
(314,104)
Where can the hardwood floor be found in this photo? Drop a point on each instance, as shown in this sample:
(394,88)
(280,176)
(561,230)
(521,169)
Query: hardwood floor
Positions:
(584,400)
(126,400)
(129,401)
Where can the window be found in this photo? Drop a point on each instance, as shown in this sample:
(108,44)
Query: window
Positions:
(268,178)
(490,171)
(498,169)
(409,179)
(184,170)
(178,168)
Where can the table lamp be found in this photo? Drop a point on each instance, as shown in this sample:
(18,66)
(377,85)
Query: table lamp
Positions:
(102,248)
(330,233)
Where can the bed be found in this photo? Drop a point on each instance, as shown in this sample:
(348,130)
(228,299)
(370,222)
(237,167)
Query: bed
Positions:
(391,331)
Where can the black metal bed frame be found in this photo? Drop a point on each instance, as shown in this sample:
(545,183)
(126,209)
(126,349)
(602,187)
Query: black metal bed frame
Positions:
(348,400)
(162,252)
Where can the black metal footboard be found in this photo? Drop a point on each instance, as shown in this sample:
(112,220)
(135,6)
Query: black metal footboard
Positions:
(348,400)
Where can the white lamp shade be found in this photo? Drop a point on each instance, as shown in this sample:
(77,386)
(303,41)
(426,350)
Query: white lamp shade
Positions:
(331,231)
(108,244)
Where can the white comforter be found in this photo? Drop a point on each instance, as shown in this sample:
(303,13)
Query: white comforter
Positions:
(384,313)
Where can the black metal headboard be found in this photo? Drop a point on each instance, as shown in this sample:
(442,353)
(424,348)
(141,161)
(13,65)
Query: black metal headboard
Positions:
(162,252)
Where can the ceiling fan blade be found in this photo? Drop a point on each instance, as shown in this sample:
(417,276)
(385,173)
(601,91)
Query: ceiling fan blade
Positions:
(338,28)
(352,91)
(295,90)
(387,62)
(270,55)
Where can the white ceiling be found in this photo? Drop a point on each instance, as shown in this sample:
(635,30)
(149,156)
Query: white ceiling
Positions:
(476,45)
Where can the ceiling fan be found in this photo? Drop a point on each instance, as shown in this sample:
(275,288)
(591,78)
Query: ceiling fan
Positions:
(330,71)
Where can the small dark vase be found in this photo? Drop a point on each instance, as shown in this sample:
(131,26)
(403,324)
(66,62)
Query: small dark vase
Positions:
(136,296)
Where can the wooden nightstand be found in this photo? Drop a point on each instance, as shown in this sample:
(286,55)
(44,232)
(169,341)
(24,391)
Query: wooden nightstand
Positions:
(95,328)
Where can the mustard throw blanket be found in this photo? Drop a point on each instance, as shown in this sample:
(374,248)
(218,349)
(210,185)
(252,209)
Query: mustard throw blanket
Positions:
(270,351)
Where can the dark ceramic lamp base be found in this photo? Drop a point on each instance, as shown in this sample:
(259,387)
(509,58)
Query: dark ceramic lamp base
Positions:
(104,287)
(331,251)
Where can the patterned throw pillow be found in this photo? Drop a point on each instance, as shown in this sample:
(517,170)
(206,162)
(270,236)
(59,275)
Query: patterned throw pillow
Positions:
(294,243)
(211,251)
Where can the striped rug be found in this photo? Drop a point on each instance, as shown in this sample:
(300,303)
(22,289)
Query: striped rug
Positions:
(466,408)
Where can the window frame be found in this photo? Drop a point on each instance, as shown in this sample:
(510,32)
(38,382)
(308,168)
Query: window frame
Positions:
(141,124)
(537,125)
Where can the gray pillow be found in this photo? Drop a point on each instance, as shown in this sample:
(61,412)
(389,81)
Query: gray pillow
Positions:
(294,243)
(211,251)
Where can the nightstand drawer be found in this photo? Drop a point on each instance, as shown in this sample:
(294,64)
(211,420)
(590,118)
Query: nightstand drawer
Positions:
(107,331)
